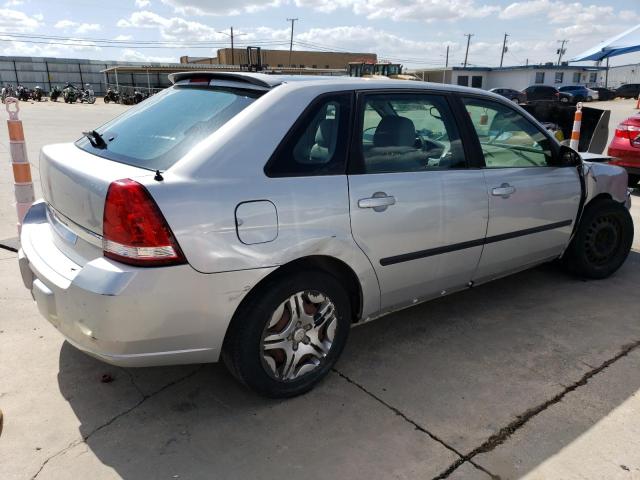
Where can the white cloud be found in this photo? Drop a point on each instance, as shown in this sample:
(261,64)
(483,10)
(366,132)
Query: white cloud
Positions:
(221,7)
(131,55)
(174,28)
(16,21)
(64,24)
(142,3)
(78,27)
(13,3)
(124,37)
(88,27)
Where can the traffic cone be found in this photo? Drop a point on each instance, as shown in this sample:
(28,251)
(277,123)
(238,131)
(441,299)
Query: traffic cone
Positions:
(638,103)
(575,132)
(23,184)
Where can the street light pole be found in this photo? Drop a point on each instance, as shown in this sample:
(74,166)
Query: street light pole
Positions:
(292,20)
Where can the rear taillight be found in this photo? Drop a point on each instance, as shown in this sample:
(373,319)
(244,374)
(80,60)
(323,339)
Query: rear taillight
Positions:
(630,132)
(134,230)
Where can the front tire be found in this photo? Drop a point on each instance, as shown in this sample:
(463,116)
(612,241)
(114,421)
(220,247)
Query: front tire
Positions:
(602,242)
(633,180)
(286,336)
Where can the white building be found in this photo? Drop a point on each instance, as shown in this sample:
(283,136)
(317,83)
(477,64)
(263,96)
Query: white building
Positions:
(517,78)
(624,74)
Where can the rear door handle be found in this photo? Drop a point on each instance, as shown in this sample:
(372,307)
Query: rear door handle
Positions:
(505,190)
(379,202)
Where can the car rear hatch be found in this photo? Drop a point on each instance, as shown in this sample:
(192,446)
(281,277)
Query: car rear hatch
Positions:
(147,139)
(74,186)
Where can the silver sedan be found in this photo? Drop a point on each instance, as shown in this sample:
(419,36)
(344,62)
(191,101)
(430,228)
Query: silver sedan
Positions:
(255,218)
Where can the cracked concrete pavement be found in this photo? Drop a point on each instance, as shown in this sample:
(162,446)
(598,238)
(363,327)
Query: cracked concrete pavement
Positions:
(533,376)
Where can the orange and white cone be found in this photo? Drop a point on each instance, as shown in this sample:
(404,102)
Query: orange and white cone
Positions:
(638,103)
(23,184)
(575,132)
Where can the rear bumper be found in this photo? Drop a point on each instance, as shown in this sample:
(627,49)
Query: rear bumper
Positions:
(130,316)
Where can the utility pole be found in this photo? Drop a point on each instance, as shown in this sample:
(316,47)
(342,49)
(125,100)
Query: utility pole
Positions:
(504,48)
(292,20)
(606,75)
(466,55)
(561,51)
(446,65)
(233,61)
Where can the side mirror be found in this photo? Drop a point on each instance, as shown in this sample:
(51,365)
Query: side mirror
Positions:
(568,157)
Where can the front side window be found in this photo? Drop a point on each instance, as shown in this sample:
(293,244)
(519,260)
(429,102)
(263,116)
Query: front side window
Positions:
(508,139)
(539,77)
(408,133)
(317,143)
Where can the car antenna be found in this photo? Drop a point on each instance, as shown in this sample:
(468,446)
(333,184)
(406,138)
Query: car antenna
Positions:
(158,177)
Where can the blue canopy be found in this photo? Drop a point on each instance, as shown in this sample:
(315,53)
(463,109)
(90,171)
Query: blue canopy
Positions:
(626,42)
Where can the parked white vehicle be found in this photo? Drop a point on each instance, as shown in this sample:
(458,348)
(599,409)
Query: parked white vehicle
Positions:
(257,217)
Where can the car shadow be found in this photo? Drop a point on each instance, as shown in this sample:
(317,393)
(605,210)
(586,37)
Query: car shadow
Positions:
(462,368)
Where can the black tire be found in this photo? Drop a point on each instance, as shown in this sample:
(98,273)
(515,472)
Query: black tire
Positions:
(242,349)
(106,100)
(633,180)
(602,242)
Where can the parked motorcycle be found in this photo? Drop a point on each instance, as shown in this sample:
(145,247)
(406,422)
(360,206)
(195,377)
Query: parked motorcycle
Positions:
(111,96)
(37,94)
(137,97)
(87,95)
(70,93)
(55,93)
(8,91)
(23,93)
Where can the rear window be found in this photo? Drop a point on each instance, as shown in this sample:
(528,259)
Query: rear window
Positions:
(159,131)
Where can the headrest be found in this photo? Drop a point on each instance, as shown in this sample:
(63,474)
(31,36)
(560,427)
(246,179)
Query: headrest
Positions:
(395,131)
(325,133)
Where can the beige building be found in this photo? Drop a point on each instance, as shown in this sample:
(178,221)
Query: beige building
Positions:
(280,58)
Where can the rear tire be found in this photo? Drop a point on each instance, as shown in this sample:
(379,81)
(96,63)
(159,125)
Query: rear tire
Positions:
(602,242)
(279,344)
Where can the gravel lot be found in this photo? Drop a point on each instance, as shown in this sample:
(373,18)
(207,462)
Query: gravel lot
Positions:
(533,376)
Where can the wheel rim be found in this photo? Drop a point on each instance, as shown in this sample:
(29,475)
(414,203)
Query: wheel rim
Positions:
(603,239)
(299,335)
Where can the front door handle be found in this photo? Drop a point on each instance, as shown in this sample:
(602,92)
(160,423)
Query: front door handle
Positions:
(505,191)
(379,201)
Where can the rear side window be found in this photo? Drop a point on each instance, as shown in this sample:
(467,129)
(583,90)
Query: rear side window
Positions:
(317,144)
(159,131)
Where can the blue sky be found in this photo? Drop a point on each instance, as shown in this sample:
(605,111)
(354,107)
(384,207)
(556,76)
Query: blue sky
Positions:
(415,33)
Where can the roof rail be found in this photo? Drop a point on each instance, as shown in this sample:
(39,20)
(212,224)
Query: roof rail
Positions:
(260,80)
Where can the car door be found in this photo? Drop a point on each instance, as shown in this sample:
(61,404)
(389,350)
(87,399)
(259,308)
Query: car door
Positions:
(417,210)
(532,203)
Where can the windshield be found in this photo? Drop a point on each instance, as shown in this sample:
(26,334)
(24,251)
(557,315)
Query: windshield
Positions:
(159,131)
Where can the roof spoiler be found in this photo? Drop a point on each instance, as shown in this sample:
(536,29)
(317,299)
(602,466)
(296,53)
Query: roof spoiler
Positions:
(256,80)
